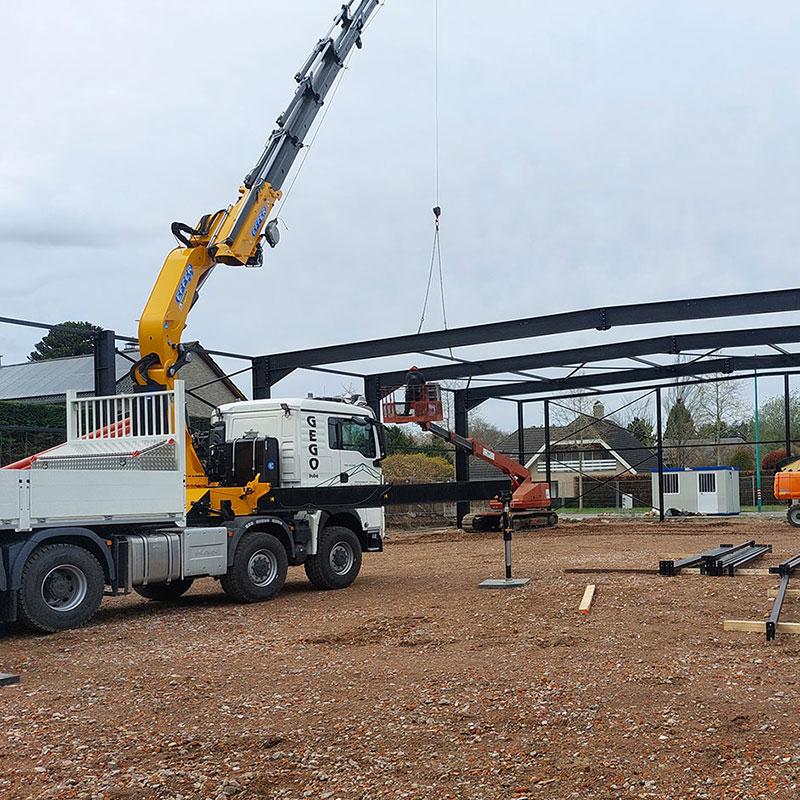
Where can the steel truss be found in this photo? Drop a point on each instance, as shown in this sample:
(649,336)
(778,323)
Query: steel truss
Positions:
(645,374)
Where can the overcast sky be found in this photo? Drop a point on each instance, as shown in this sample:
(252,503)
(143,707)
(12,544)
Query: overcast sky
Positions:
(592,152)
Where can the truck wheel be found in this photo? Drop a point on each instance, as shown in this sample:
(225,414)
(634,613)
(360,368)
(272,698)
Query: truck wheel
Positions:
(793,515)
(338,559)
(62,586)
(259,568)
(164,591)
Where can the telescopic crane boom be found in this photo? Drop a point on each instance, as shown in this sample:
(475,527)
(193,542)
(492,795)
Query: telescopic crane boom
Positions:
(233,235)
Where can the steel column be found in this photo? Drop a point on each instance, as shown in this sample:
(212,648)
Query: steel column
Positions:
(787,421)
(261,382)
(520,431)
(372,394)
(105,364)
(461,426)
(660,456)
(548,477)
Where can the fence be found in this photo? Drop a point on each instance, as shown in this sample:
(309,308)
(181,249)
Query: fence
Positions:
(607,493)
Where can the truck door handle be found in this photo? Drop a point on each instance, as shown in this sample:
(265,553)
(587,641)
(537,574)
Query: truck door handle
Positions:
(344,477)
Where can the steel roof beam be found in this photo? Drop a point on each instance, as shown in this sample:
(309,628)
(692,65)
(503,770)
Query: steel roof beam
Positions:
(599,318)
(668,345)
(723,365)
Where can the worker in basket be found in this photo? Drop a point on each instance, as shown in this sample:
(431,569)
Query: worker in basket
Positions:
(415,385)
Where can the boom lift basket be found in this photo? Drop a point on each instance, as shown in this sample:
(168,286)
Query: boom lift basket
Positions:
(417,404)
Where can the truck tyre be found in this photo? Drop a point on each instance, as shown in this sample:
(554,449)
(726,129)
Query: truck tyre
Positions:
(259,568)
(164,591)
(62,586)
(338,560)
(793,515)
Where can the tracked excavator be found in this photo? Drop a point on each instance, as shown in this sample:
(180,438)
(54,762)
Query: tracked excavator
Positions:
(530,505)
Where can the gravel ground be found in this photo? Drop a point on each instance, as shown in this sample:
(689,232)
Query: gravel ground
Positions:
(414,683)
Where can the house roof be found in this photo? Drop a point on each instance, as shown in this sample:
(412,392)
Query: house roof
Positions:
(617,439)
(48,381)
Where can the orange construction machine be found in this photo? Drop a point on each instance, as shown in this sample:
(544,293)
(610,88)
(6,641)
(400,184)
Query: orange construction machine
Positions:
(530,500)
(787,487)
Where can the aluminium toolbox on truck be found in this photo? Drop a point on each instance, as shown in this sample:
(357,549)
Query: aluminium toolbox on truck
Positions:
(123,463)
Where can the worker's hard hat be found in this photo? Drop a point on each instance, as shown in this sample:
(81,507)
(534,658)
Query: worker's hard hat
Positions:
(413,367)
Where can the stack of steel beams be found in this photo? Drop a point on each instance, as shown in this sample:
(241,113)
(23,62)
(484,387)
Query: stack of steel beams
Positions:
(671,567)
(733,558)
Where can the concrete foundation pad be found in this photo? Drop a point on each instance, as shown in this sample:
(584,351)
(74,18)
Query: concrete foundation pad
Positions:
(509,583)
(7,679)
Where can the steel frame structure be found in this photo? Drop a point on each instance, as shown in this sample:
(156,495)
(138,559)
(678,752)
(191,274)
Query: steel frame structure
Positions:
(645,373)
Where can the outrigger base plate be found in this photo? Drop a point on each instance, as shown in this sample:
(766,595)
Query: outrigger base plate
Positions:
(504,583)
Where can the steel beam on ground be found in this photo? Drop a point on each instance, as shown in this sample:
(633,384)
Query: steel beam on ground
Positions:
(772,623)
(598,318)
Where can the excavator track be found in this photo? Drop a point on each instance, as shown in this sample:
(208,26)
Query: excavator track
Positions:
(483,522)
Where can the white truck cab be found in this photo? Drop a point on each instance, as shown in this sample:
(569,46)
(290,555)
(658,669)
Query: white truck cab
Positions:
(320,443)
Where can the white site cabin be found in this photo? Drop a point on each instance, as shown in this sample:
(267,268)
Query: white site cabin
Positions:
(700,490)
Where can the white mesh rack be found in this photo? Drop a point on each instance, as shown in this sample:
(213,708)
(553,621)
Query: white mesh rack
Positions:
(129,432)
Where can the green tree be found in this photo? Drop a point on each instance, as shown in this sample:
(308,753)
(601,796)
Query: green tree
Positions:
(744,460)
(398,441)
(642,431)
(772,424)
(61,344)
(680,429)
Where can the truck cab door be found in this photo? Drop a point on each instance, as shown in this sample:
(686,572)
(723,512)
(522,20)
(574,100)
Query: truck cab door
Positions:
(354,441)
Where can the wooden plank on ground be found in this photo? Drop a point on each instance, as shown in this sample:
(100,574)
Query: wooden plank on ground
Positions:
(604,570)
(789,592)
(759,626)
(588,596)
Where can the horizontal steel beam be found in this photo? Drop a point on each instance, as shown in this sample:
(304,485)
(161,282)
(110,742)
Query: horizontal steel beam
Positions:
(376,496)
(639,375)
(598,318)
(668,345)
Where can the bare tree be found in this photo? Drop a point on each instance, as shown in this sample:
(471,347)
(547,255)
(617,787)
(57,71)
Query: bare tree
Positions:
(720,405)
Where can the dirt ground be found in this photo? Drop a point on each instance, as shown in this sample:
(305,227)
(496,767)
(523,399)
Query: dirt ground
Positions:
(414,683)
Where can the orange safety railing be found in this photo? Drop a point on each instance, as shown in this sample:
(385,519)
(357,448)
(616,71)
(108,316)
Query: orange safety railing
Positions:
(418,404)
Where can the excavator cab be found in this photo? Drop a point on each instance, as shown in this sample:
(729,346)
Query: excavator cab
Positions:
(414,403)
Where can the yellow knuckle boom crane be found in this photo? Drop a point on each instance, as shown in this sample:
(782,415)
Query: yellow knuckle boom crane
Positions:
(233,236)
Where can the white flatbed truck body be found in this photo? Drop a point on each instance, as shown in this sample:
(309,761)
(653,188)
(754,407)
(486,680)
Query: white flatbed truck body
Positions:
(106,512)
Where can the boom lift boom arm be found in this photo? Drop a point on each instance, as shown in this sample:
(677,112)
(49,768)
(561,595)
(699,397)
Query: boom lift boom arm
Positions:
(525,493)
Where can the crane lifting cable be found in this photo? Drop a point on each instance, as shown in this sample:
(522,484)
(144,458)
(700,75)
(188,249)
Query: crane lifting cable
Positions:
(436,252)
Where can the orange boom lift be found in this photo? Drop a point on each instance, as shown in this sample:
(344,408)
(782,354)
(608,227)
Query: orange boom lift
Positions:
(530,500)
